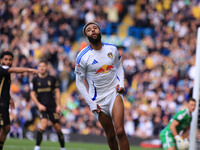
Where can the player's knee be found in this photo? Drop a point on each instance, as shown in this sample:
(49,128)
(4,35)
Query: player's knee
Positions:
(44,125)
(111,136)
(57,127)
(120,132)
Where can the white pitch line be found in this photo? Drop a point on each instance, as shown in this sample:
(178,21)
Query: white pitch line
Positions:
(43,147)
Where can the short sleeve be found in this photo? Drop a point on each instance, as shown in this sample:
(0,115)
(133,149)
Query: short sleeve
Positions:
(117,57)
(80,68)
(56,82)
(4,70)
(180,117)
(33,85)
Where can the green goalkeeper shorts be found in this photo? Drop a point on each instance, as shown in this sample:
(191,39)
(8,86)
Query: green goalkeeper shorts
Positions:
(167,140)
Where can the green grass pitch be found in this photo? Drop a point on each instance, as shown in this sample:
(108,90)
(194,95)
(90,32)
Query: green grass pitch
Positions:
(17,144)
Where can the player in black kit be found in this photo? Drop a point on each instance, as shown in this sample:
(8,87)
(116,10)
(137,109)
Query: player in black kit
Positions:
(5,99)
(46,88)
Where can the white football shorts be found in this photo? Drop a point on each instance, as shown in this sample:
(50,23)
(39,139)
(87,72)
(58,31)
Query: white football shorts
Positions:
(107,103)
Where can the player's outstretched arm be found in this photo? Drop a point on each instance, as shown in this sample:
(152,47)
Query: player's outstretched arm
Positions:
(21,70)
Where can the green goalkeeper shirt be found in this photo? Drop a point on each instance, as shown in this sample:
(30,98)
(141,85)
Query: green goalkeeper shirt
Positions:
(183,117)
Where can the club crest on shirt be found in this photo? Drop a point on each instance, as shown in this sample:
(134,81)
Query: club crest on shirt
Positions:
(49,83)
(39,84)
(110,55)
(180,117)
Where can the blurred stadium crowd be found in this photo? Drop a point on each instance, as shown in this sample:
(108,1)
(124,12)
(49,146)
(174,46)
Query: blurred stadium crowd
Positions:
(159,68)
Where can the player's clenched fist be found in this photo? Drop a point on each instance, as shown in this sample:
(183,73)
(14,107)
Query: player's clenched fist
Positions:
(120,89)
(41,107)
(34,71)
(98,110)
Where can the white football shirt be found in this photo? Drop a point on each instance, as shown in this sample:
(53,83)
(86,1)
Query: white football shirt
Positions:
(102,69)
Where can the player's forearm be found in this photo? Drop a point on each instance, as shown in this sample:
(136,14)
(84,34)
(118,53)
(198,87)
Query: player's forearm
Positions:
(120,74)
(34,98)
(81,87)
(185,133)
(57,94)
(18,70)
(173,130)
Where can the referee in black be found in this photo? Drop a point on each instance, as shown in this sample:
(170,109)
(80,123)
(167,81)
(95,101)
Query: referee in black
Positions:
(44,92)
(5,99)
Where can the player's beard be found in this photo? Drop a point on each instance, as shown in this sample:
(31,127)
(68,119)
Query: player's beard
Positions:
(3,64)
(95,41)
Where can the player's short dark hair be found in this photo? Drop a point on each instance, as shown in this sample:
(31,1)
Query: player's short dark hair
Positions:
(87,24)
(191,99)
(6,53)
(43,60)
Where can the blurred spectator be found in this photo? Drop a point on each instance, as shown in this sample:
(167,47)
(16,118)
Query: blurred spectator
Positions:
(129,126)
(26,93)
(90,16)
(145,128)
(131,8)
(157,122)
(16,131)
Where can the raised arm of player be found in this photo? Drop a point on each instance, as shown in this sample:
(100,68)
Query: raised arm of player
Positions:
(39,105)
(21,70)
(57,94)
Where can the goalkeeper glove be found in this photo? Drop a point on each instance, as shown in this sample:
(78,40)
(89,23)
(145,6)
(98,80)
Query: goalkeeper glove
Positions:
(186,143)
(179,142)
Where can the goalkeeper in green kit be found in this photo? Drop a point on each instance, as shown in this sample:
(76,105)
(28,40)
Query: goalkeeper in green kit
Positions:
(169,136)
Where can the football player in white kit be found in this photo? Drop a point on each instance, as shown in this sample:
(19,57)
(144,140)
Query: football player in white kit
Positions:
(101,64)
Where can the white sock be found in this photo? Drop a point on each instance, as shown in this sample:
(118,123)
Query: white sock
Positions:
(36,147)
(62,149)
